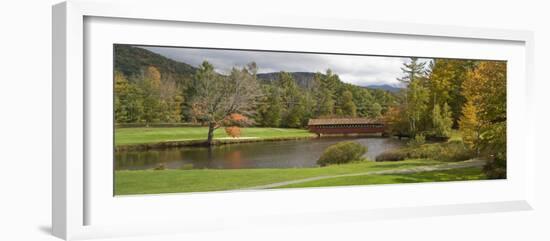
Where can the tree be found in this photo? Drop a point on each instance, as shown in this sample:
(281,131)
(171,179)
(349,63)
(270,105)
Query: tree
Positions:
(295,115)
(151,95)
(446,120)
(349,109)
(442,121)
(470,126)
(326,103)
(385,99)
(233,131)
(416,95)
(216,96)
(271,110)
(174,107)
(122,89)
(445,83)
(293,101)
(414,70)
(171,101)
(485,89)
(326,85)
(396,121)
(375,110)
(364,101)
(416,105)
(289,90)
(232,124)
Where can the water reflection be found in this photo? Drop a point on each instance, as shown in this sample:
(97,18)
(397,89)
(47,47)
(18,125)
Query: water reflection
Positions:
(280,154)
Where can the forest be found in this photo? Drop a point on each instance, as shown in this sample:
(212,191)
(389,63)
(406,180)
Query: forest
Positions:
(438,96)
(148,97)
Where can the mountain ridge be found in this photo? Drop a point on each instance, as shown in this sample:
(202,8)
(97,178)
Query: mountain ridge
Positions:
(131,61)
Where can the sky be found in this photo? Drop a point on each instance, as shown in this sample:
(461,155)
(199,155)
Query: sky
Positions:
(357,70)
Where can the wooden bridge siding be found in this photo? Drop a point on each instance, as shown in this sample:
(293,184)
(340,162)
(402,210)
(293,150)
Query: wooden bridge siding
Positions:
(344,130)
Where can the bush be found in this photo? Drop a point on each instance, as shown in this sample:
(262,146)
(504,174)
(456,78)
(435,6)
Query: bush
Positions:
(495,169)
(448,151)
(453,151)
(343,152)
(233,131)
(160,167)
(391,156)
(418,140)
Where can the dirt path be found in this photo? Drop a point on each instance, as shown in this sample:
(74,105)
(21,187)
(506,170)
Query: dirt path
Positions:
(440,167)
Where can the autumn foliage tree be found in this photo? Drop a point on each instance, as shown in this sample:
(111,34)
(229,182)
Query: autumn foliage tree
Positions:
(233,122)
(396,121)
(442,121)
(216,96)
(470,126)
(151,95)
(128,106)
(484,116)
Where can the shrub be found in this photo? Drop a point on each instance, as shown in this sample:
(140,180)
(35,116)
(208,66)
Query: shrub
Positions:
(448,151)
(418,140)
(233,131)
(160,167)
(495,168)
(391,156)
(453,151)
(342,152)
(236,119)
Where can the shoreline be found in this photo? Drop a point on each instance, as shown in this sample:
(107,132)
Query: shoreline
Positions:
(228,141)
(201,143)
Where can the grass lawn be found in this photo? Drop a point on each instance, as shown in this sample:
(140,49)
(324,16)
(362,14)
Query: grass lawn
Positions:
(462,174)
(175,181)
(143,135)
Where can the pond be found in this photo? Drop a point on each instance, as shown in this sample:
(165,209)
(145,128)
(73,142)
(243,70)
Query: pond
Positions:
(271,154)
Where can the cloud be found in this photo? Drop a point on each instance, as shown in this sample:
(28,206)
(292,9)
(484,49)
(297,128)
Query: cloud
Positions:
(358,70)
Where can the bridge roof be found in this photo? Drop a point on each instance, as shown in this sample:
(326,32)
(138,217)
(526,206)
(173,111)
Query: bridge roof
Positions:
(341,121)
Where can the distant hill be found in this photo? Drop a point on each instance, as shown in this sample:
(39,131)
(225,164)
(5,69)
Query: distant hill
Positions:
(133,60)
(303,79)
(389,88)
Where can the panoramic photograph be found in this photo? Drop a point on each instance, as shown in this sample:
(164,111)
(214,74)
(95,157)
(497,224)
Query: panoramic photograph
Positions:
(205,119)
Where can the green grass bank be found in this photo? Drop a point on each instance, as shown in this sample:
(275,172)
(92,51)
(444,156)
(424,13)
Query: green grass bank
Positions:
(202,180)
(174,136)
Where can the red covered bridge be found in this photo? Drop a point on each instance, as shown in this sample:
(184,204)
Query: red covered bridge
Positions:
(346,126)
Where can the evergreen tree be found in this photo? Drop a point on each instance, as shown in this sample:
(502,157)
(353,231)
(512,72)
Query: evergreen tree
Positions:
(292,101)
(271,113)
(375,110)
(414,70)
(348,108)
(324,94)
(416,95)
(295,115)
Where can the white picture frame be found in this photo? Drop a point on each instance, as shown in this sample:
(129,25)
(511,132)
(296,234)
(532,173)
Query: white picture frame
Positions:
(75,197)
